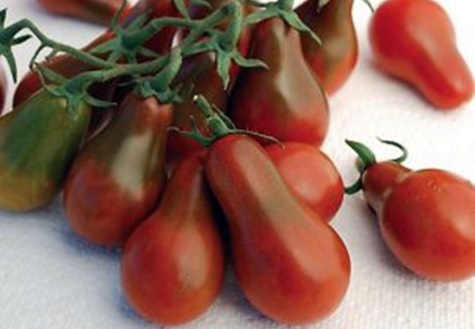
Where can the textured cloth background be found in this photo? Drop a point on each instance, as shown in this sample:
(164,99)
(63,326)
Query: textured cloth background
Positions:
(49,278)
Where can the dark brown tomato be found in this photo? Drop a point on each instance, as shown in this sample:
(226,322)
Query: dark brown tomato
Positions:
(118,176)
(334,60)
(285,100)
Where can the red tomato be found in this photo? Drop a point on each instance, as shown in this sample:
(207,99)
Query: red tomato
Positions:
(285,100)
(291,265)
(118,176)
(173,264)
(96,11)
(414,40)
(427,218)
(311,174)
(334,60)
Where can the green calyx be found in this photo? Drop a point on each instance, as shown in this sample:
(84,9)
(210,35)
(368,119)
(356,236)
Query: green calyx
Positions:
(284,10)
(367,158)
(218,124)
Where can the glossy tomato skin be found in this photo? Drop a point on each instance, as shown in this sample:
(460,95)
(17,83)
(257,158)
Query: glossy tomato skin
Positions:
(286,100)
(427,219)
(292,267)
(96,11)
(421,51)
(173,264)
(334,60)
(118,176)
(38,142)
(310,174)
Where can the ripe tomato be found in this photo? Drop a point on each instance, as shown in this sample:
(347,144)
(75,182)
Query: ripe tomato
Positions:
(118,176)
(427,218)
(292,266)
(173,263)
(334,60)
(311,174)
(414,40)
(285,100)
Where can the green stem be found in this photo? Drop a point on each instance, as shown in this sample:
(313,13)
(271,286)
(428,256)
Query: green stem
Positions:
(60,47)
(368,158)
(212,20)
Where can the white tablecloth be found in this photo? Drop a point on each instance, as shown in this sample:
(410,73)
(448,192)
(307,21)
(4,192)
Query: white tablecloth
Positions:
(49,278)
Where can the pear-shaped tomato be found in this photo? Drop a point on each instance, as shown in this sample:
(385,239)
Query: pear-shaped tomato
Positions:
(426,217)
(118,176)
(173,263)
(292,266)
(334,60)
(284,100)
(414,40)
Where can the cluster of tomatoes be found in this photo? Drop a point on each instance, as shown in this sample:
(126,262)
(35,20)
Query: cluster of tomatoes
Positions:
(263,205)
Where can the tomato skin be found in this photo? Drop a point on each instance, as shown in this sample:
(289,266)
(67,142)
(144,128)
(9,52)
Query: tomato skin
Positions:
(292,266)
(38,142)
(427,219)
(310,174)
(173,264)
(286,100)
(415,49)
(333,61)
(118,176)
(96,11)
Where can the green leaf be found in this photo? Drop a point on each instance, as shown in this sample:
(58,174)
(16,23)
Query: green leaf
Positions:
(201,3)
(261,15)
(3,17)
(293,20)
(96,102)
(148,53)
(139,21)
(10,58)
(21,39)
(199,47)
(49,76)
(180,5)
(223,64)
(248,62)
(115,19)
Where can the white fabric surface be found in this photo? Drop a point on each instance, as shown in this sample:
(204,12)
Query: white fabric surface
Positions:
(49,278)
